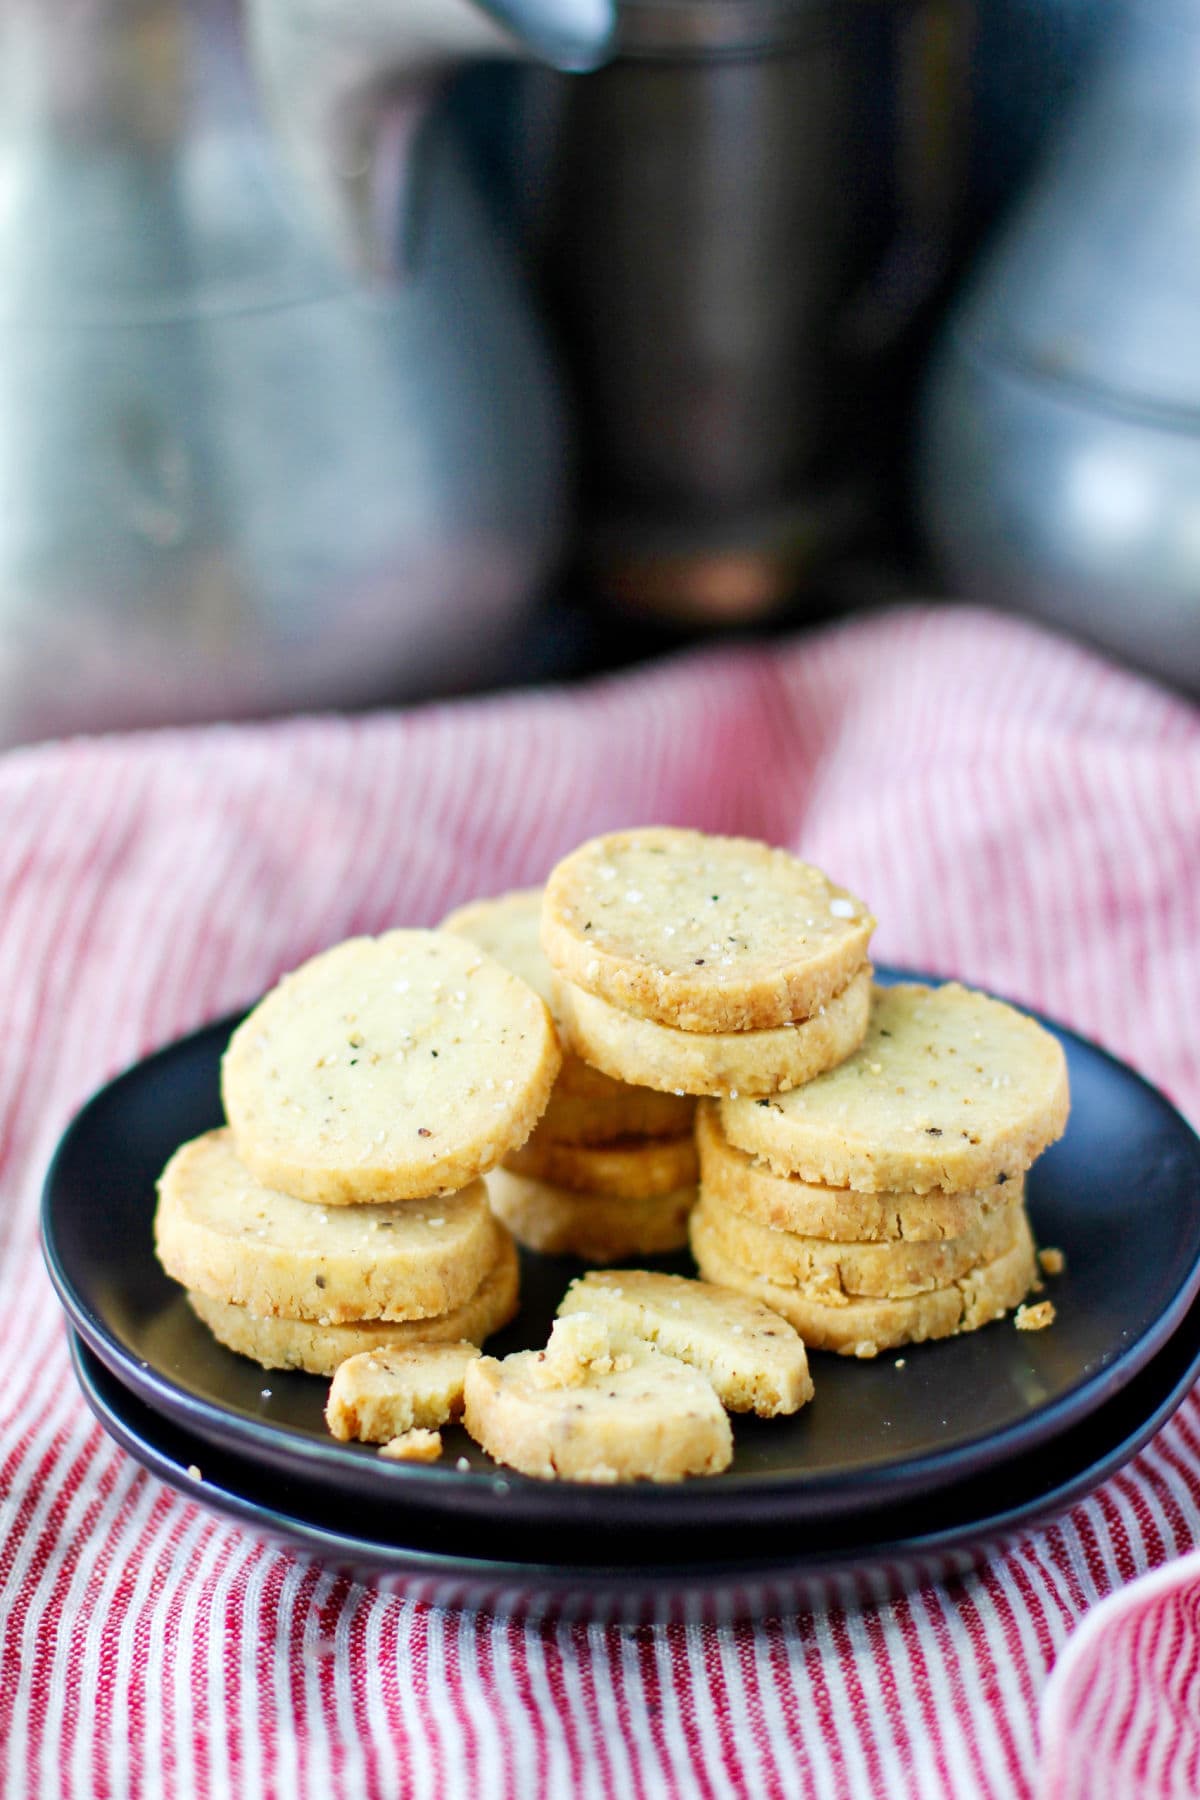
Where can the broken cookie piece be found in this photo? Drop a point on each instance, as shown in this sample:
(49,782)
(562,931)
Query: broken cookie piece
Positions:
(578,1347)
(380,1395)
(754,1359)
(648,1417)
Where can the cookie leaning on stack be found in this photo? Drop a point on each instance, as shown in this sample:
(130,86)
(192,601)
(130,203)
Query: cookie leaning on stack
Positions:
(388,1068)
(610,1170)
(342,1210)
(884,1203)
(705,965)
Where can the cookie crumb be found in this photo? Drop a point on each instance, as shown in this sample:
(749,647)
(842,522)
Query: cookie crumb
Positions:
(1053,1261)
(194,1472)
(413,1446)
(900,1362)
(1035,1318)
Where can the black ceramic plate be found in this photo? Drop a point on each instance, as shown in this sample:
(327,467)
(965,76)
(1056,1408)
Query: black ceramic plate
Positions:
(1120,1195)
(868,1557)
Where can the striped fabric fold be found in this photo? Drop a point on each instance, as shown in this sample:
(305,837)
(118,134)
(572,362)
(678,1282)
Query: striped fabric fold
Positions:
(1017,812)
(1120,1717)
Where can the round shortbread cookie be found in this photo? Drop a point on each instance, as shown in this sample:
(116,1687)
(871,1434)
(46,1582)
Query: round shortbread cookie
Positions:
(221,1231)
(704,933)
(950,1090)
(634,1169)
(843,1215)
(754,1359)
(718,1063)
(587,1106)
(388,1068)
(594,1227)
(633,1112)
(319,1349)
(864,1327)
(508,928)
(647,1417)
(835,1273)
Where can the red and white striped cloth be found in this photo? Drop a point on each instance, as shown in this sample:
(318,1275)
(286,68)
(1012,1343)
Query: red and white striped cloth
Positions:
(1016,811)
(1121,1712)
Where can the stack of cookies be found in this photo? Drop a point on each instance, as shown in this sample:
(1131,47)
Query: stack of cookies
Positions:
(883,1203)
(610,1170)
(705,965)
(341,1210)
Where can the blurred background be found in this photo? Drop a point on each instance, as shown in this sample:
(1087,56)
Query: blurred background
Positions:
(356,352)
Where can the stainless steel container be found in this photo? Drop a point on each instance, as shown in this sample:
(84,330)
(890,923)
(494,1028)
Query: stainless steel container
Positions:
(747,207)
(1060,452)
(270,436)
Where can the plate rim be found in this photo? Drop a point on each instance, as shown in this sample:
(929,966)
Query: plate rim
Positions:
(740,1499)
(974,1535)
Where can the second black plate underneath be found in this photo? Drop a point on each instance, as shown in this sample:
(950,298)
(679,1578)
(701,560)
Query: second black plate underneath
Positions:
(850,1559)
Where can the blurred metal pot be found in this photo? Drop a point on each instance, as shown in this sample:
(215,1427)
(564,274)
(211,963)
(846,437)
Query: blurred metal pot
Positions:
(241,470)
(1060,447)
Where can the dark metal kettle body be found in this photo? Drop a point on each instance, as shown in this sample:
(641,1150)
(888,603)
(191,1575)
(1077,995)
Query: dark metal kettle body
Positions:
(745,215)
